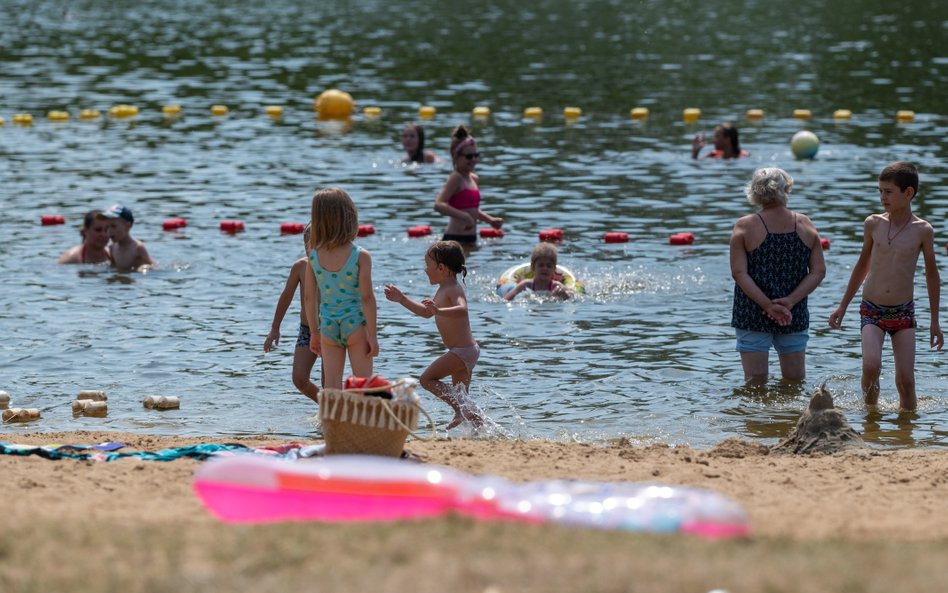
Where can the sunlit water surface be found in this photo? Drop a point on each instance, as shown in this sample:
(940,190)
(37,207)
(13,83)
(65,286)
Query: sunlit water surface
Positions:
(646,354)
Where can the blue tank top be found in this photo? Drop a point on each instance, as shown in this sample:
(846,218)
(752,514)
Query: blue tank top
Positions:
(339,291)
(777,266)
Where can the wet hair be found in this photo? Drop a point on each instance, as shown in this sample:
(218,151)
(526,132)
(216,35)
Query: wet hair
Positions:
(543,251)
(449,253)
(730,132)
(901,173)
(419,155)
(335,220)
(87,221)
(459,135)
(770,185)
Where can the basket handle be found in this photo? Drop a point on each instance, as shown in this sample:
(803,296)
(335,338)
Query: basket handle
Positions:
(388,409)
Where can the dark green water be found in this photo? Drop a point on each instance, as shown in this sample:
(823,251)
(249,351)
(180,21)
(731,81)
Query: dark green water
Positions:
(647,354)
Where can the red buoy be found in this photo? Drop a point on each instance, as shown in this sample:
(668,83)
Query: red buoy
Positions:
(824,242)
(551,235)
(419,231)
(491,233)
(616,237)
(292,228)
(681,239)
(51,219)
(365,230)
(232,226)
(174,223)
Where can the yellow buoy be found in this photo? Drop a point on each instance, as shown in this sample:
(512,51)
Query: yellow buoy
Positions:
(171,110)
(372,111)
(123,110)
(533,112)
(334,104)
(691,115)
(481,111)
(274,111)
(219,109)
(905,115)
(427,111)
(753,114)
(24,119)
(639,113)
(802,113)
(842,114)
(58,116)
(1,121)
(89,114)
(572,112)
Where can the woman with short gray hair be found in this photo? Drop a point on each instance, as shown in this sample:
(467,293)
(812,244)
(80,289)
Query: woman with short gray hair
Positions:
(776,262)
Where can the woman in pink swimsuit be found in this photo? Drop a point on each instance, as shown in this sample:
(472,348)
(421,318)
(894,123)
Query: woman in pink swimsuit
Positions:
(460,198)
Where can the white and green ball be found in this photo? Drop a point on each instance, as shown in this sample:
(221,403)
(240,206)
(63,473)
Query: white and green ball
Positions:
(804,144)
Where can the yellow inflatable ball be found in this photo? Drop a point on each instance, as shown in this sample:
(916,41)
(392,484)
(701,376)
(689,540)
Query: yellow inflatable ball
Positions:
(334,104)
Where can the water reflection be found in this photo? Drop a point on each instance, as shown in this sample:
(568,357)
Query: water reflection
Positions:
(891,430)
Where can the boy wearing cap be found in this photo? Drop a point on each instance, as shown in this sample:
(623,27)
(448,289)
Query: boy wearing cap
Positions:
(127,252)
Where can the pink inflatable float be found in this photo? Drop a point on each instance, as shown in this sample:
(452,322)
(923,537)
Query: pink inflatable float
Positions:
(248,489)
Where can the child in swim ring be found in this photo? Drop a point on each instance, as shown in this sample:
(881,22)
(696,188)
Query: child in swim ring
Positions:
(460,198)
(444,260)
(543,267)
(95,242)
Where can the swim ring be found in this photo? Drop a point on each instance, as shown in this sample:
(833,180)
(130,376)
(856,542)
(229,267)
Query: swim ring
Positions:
(513,275)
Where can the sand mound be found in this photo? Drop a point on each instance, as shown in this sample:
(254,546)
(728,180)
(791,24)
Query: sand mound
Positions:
(821,429)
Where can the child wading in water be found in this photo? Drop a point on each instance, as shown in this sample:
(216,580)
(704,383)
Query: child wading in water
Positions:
(303,358)
(543,267)
(338,289)
(127,252)
(444,260)
(891,244)
(460,197)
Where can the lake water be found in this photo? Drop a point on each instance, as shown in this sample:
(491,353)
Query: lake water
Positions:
(646,354)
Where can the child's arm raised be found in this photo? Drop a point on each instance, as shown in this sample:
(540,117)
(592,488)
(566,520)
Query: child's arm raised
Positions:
(369,306)
(458,309)
(311,309)
(860,270)
(933,282)
(283,303)
(393,294)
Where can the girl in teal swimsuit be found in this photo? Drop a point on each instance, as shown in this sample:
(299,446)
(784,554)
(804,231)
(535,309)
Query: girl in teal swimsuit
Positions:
(338,291)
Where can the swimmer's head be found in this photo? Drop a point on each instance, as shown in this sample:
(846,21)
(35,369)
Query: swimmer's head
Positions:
(543,251)
(334,220)
(413,141)
(462,144)
(770,185)
(725,135)
(449,253)
(90,219)
(902,174)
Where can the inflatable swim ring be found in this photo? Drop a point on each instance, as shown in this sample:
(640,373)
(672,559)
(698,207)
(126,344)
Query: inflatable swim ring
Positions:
(344,488)
(513,275)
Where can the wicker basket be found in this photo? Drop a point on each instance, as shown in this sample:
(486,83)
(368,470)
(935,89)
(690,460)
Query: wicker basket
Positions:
(358,424)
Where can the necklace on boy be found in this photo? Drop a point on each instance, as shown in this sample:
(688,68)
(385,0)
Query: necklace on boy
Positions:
(889,230)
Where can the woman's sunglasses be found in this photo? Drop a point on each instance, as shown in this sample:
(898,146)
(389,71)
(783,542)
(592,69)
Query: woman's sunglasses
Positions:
(471,156)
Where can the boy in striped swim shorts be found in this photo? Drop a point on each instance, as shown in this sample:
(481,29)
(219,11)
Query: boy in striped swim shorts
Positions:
(891,244)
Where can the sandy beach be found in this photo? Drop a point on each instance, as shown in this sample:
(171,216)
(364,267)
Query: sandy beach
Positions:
(868,520)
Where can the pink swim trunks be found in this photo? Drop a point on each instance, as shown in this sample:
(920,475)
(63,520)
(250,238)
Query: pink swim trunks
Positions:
(468,355)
